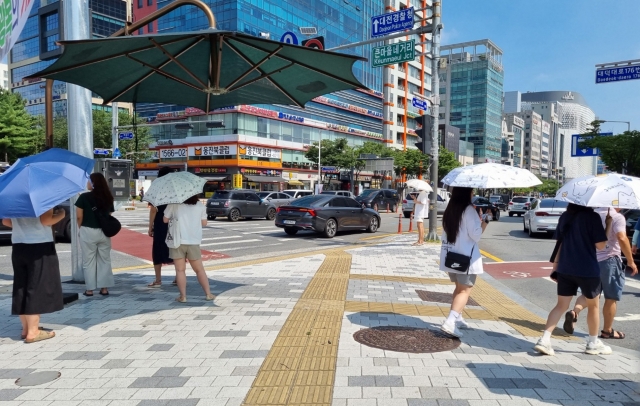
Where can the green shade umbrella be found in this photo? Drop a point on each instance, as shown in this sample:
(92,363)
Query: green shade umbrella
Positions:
(204,69)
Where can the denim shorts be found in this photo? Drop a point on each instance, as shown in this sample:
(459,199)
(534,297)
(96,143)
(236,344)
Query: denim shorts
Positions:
(612,276)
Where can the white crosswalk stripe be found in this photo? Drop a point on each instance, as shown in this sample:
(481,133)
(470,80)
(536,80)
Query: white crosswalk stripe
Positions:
(228,242)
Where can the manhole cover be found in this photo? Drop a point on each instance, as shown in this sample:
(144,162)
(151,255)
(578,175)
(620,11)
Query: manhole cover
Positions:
(406,339)
(38,378)
(438,297)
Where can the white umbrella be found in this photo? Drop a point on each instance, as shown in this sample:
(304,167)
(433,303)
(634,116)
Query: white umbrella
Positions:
(419,184)
(174,187)
(612,190)
(490,176)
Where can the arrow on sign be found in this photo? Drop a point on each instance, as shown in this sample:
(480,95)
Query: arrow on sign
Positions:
(375,25)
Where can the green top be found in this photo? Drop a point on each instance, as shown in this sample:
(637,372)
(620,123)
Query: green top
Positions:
(89,218)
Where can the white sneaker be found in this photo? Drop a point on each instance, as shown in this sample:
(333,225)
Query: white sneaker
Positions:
(462,323)
(544,348)
(451,329)
(598,348)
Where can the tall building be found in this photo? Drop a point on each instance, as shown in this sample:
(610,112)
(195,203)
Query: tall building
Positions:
(36,49)
(4,76)
(568,113)
(512,102)
(471,86)
(512,140)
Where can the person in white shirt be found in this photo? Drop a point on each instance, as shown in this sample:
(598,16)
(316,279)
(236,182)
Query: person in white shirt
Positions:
(462,229)
(420,212)
(191,216)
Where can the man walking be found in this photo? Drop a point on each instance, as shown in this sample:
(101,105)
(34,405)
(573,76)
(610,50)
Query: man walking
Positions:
(420,212)
(141,193)
(611,273)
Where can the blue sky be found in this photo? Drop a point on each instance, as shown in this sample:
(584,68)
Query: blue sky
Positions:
(555,45)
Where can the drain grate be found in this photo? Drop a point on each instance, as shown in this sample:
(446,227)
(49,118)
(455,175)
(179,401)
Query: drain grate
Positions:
(439,297)
(38,378)
(406,339)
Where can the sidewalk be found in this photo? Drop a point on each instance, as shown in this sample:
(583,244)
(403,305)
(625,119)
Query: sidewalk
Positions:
(281,332)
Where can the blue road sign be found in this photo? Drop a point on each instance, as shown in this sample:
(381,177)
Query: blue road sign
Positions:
(100,151)
(419,104)
(125,136)
(116,153)
(617,74)
(578,151)
(392,22)
(329,169)
(289,38)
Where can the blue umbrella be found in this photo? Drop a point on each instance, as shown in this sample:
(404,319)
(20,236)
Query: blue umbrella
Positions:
(35,184)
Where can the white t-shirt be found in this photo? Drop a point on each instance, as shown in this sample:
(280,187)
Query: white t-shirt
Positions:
(422,206)
(189,221)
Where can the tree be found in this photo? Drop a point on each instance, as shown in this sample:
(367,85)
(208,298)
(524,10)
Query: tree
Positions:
(549,187)
(446,162)
(621,153)
(19,134)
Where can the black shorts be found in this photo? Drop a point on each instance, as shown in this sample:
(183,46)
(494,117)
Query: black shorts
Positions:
(568,286)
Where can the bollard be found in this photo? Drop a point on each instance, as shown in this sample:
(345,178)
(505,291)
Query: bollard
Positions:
(399,223)
(411,223)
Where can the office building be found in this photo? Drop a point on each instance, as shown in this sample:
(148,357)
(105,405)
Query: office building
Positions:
(4,76)
(471,87)
(512,102)
(512,140)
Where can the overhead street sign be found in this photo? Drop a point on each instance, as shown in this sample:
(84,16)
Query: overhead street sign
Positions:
(125,136)
(403,51)
(100,151)
(420,104)
(578,151)
(617,74)
(392,22)
(289,38)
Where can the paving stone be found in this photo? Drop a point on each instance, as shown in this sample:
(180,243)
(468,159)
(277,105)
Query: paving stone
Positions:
(76,321)
(82,355)
(10,394)
(169,402)
(249,301)
(456,363)
(262,313)
(117,363)
(125,333)
(227,333)
(389,380)
(499,383)
(453,402)
(169,371)
(422,402)
(434,393)
(245,371)
(204,317)
(160,347)
(366,380)
(388,362)
(152,322)
(15,373)
(244,354)
(611,396)
(562,368)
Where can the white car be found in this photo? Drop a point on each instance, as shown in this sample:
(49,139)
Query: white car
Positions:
(519,205)
(443,201)
(296,193)
(277,198)
(543,216)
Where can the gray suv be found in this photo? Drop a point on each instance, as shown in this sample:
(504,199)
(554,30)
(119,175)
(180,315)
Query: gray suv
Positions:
(235,204)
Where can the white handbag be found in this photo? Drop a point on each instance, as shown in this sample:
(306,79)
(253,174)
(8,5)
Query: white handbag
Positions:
(173,232)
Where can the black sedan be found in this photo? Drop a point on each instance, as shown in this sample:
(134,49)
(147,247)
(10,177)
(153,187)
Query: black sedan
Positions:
(484,204)
(326,214)
(61,229)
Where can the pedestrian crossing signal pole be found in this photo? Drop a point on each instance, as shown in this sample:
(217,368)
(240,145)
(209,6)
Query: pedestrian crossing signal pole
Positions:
(435,144)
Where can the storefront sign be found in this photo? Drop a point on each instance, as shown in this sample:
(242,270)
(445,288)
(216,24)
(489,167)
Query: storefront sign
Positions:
(346,106)
(249,150)
(190,112)
(261,172)
(164,142)
(371,92)
(212,150)
(290,117)
(210,170)
(173,153)
(147,173)
(259,111)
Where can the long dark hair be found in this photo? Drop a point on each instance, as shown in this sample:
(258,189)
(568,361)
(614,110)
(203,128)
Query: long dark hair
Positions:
(572,211)
(101,192)
(192,200)
(452,217)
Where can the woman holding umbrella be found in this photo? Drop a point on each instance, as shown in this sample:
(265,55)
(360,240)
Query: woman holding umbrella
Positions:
(158,231)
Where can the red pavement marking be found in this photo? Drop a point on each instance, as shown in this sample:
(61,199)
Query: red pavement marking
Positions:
(139,245)
(518,270)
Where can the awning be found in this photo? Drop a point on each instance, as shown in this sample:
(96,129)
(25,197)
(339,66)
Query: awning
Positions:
(295,182)
(265,179)
(215,178)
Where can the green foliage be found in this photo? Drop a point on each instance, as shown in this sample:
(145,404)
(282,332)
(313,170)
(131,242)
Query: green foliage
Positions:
(446,162)
(621,153)
(549,187)
(19,134)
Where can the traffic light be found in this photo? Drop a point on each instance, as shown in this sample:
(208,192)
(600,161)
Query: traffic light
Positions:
(424,132)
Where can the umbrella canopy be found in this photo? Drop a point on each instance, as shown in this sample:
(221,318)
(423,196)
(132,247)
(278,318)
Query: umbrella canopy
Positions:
(35,184)
(613,190)
(490,176)
(419,184)
(205,69)
(174,187)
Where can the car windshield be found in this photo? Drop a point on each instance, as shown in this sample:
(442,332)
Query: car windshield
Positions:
(309,201)
(329,193)
(520,200)
(221,194)
(263,195)
(552,204)
(368,192)
(495,198)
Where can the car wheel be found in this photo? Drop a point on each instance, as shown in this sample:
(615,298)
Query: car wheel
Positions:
(510,214)
(211,217)
(375,206)
(330,228)
(234,215)
(393,208)
(374,223)
(531,233)
(290,231)
(496,215)
(407,214)
(271,214)
(524,226)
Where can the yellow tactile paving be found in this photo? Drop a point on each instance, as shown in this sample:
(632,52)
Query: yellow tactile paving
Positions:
(413,310)
(405,279)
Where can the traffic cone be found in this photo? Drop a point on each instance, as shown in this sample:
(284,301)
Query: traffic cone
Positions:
(411,223)
(387,207)
(399,223)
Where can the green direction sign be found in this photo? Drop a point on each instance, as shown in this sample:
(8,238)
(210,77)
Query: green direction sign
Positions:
(403,51)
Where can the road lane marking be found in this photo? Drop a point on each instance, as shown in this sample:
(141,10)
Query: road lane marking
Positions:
(244,248)
(628,317)
(221,238)
(227,242)
(492,257)
(632,283)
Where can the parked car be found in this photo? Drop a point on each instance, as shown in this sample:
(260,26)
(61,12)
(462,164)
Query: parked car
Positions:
(326,214)
(632,217)
(519,205)
(380,199)
(543,216)
(484,204)
(408,203)
(345,193)
(296,193)
(61,230)
(497,200)
(277,198)
(236,204)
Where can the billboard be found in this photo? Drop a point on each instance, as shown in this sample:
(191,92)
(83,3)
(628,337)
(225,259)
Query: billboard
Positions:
(13,17)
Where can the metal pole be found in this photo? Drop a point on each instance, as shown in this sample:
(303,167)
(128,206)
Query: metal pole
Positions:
(386,90)
(319,164)
(114,125)
(79,116)
(48,112)
(435,89)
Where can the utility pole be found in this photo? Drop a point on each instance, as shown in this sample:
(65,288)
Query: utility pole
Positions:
(114,125)
(435,145)
(319,164)
(387,102)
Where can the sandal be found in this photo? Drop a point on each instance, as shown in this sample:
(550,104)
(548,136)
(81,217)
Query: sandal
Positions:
(612,335)
(416,243)
(181,299)
(210,296)
(42,335)
(105,293)
(87,294)
(154,284)
(22,336)
(569,321)
(174,283)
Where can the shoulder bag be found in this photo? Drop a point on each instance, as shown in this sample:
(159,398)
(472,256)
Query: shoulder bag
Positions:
(558,246)
(173,231)
(109,225)
(458,263)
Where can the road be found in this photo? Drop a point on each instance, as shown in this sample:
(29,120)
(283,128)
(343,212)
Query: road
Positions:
(527,269)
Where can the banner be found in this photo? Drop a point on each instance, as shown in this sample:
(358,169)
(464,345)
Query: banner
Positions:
(13,17)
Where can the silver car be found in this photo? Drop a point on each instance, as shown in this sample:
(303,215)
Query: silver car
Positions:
(276,198)
(408,203)
(543,216)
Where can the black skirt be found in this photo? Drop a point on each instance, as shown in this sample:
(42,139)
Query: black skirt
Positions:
(159,250)
(37,288)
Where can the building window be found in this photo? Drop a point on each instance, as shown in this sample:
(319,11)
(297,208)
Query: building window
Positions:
(140,4)
(150,28)
(149,2)
(140,31)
